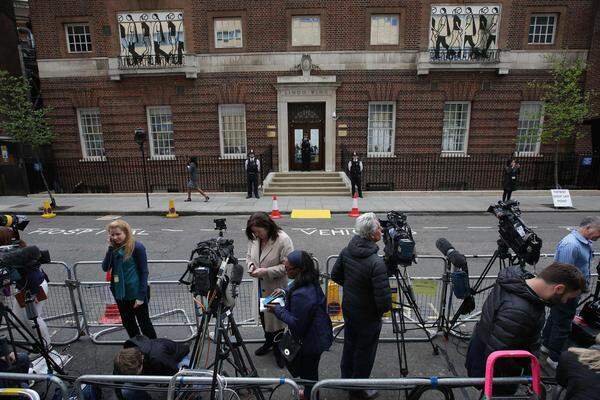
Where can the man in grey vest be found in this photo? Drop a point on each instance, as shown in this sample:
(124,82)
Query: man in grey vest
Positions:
(252,166)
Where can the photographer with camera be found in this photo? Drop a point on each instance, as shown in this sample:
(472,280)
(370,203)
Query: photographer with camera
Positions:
(305,314)
(575,249)
(127,264)
(367,296)
(34,281)
(512,316)
(268,248)
(511,172)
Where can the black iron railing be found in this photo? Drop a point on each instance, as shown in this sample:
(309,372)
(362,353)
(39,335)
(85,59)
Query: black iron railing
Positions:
(464,55)
(124,174)
(151,61)
(475,172)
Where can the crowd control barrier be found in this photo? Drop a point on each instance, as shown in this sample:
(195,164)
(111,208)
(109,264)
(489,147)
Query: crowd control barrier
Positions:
(38,378)
(13,393)
(183,383)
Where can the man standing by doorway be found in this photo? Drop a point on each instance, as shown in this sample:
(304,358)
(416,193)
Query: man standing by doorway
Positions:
(252,166)
(305,153)
(355,168)
(575,249)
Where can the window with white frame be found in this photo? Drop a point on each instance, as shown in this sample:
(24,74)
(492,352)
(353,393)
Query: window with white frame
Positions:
(79,39)
(382,124)
(306,30)
(542,28)
(456,127)
(90,133)
(160,129)
(228,33)
(384,30)
(528,133)
(232,130)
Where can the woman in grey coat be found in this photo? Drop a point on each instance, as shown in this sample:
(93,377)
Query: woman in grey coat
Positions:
(192,183)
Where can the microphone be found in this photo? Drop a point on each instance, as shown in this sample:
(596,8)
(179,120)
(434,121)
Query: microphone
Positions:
(237,273)
(455,257)
(460,277)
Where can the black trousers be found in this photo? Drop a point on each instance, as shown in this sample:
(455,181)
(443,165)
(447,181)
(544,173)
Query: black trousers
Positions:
(305,366)
(506,195)
(129,315)
(306,162)
(252,179)
(360,348)
(356,184)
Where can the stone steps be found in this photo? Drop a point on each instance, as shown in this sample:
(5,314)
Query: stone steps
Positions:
(306,184)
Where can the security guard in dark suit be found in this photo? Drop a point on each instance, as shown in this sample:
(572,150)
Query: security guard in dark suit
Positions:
(355,168)
(252,166)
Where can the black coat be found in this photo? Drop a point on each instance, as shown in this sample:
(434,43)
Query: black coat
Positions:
(510,178)
(580,381)
(363,276)
(161,356)
(512,318)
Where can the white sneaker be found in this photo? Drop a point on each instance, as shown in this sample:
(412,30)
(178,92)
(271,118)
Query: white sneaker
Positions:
(553,364)
(545,350)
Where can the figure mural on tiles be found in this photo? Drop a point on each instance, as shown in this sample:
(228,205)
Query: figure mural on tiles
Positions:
(464,32)
(152,38)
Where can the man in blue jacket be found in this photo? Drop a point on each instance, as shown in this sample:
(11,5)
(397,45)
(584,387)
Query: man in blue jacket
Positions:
(575,249)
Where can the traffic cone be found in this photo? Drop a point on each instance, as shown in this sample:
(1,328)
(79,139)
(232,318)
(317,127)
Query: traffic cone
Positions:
(354,212)
(275,214)
(111,311)
(48,210)
(172,213)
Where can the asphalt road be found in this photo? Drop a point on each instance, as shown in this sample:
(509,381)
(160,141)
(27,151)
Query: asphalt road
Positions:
(77,238)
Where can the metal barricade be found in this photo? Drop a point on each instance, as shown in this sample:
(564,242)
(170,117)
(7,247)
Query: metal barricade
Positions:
(19,393)
(60,308)
(408,383)
(162,383)
(38,378)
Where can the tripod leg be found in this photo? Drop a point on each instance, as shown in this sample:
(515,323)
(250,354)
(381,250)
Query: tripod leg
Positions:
(218,363)
(242,365)
(199,341)
(399,334)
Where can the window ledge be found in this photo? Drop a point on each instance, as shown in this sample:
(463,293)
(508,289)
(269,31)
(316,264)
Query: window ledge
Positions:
(161,158)
(381,155)
(454,154)
(93,158)
(232,157)
(527,154)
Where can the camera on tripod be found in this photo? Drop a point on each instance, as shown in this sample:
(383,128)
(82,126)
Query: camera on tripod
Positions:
(399,245)
(213,268)
(515,234)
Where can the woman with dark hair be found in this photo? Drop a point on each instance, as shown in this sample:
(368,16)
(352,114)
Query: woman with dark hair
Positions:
(267,249)
(192,184)
(305,314)
(511,171)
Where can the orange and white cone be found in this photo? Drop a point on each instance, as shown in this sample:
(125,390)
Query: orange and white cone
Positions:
(275,214)
(354,212)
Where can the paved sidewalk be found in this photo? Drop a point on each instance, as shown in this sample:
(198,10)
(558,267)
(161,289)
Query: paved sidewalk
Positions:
(236,203)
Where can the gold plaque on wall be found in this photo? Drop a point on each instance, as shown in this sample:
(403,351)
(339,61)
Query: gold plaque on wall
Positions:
(271,127)
(342,133)
(271,134)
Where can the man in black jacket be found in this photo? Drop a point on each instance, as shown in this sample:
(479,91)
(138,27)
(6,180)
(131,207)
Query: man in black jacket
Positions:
(513,316)
(367,296)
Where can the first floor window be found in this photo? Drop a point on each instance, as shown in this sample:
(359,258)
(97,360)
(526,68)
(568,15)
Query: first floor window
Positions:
(528,134)
(232,130)
(456,127)
(228,33)
(384,30)
(380,141)
(90,132)
(306,30)
(79,39)
(160,129)
(542,28)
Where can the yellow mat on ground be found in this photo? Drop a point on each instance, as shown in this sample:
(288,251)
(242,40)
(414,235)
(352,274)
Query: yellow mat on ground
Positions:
(312,214)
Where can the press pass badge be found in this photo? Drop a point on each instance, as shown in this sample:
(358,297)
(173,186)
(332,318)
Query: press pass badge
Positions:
(116,278)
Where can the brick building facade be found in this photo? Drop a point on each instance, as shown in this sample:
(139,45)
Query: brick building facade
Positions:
(385,78)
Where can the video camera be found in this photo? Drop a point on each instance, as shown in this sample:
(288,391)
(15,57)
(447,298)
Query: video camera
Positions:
(212,267)
(514,233)
(399,245)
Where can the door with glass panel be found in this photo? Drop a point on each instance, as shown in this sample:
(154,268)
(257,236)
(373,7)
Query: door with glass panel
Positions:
(306,120)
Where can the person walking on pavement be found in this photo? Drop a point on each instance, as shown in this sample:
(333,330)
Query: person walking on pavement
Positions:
(355,168)
(252,166)
(305,314)
(509,185)
(268,246)
(127,264)
(305,152)
(367,296)
(192,184)
(575,249)
(512,317)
